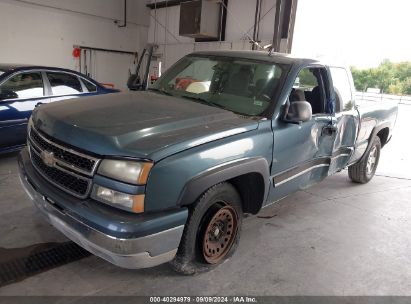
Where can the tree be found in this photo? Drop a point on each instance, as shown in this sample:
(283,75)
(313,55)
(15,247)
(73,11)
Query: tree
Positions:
(394,78)
(406,89)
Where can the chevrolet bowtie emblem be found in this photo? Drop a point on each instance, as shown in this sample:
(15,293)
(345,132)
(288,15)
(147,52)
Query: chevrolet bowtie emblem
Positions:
(48,158)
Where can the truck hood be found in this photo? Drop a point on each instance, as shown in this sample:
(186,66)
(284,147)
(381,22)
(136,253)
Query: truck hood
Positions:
(137,124)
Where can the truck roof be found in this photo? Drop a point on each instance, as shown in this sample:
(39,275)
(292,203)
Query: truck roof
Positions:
(260,55)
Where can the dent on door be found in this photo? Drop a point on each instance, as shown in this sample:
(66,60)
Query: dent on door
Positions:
(346,125)
(301,155)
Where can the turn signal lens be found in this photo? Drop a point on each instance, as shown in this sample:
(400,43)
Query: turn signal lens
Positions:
(129,202)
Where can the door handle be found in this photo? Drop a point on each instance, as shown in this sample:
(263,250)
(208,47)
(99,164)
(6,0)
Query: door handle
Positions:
(329,130)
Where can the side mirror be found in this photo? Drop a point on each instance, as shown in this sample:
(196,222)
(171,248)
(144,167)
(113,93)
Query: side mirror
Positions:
(8,94)
(298,112)
(134,82)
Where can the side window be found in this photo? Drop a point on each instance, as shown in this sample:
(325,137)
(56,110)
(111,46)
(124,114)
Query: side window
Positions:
(64,84)
(307,86)
(306,79)
(23,85)
(342,88)
(91,87)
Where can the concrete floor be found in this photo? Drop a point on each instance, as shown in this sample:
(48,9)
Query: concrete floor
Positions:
(336,238)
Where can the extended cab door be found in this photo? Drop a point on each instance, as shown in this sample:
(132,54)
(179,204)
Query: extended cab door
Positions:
(346,118)
(302,152)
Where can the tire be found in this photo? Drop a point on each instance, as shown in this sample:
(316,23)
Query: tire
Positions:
(363,171)
(218,215)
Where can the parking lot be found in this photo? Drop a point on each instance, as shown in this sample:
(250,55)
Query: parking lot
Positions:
(336,238)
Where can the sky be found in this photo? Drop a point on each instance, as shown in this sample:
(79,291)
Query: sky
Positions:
(353,32)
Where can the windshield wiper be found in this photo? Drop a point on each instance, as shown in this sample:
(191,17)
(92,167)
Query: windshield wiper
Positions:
(161,91)
(208,102)
(199,99)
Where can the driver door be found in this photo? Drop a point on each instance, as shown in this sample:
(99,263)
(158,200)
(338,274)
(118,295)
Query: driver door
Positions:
(302,152)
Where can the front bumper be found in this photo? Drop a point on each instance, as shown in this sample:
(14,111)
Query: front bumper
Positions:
(139,252)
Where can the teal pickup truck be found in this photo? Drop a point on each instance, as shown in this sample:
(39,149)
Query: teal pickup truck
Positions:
(167,174)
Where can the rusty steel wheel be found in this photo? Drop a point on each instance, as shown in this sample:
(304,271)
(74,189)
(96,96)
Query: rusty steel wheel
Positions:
(220,234)
(212,231)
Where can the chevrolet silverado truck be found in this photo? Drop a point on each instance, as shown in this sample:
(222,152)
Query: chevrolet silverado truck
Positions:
(167,174)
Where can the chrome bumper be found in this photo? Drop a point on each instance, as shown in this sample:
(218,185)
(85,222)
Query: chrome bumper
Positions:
(143,252)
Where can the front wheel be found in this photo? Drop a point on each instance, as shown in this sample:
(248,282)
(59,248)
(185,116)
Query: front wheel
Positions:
(363,171)
(212,232)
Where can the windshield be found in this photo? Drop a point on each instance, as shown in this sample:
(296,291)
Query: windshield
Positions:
(239,85)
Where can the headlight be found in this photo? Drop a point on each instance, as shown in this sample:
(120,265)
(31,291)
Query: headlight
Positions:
(129,202)
(128,171)
(29,123)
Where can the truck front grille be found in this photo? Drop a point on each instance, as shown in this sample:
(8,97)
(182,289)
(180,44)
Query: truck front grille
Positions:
(81,162)
(63,167)
(67,182)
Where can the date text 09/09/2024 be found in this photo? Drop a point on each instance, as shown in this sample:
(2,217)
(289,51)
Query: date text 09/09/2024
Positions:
(204,299)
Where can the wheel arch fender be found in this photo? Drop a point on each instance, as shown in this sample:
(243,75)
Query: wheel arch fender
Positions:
(257,167)
(373,134)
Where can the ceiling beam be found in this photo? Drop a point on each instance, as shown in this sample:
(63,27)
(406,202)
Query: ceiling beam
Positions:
(163,4)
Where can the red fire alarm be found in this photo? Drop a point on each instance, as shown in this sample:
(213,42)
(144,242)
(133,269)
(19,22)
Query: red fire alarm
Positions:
(76,52)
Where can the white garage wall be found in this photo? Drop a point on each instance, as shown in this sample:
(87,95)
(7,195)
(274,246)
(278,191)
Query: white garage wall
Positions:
(240,20)
(43,32)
